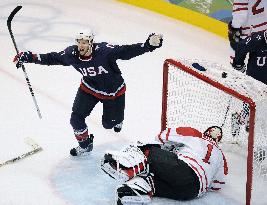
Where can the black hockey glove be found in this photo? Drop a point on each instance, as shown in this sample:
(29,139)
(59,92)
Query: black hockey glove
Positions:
(24,57)
(242,68)
(234,35)
(154,41)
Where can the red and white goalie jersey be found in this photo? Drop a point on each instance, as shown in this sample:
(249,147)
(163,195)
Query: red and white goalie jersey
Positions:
(250,16)
(201,153)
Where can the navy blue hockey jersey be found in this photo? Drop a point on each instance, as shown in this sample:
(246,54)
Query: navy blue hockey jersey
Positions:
(256,46)
(101,74)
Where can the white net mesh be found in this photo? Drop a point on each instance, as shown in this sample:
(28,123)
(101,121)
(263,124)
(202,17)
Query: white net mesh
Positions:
(194,102)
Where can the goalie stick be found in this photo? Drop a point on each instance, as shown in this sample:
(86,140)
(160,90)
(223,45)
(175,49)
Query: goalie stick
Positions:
(9,20)
(35,148)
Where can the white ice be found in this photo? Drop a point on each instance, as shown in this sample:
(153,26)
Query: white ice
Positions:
(52,176)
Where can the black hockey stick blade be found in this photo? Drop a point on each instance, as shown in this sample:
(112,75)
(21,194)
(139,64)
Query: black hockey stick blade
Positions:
(9,20)
(12,14)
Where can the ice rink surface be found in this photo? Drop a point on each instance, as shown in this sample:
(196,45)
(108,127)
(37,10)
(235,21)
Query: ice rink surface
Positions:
(52,176)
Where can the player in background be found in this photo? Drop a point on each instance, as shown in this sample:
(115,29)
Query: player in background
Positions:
(249,17)
(184,164)
(256,45)
(102,80)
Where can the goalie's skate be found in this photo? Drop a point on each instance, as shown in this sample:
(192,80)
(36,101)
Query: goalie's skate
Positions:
(79,151)
(138,190)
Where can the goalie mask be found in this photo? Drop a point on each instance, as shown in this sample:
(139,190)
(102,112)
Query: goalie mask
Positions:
(84,40)
(214,132)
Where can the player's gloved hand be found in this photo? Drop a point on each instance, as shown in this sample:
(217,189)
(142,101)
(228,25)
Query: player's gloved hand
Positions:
(154,41)
(242,68)
(24,57)
(234,35)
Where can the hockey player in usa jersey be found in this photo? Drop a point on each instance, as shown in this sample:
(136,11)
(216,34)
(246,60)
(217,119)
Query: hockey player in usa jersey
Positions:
(101,82)
(255,46)
(183,165)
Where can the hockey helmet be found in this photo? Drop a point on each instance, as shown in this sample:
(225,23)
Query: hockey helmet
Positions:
(214,132)
(86,34)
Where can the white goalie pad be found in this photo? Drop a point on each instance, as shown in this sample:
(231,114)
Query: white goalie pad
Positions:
(129,157)
(139,183)
(141,189)
(125,164)
(135,200)
(113,172)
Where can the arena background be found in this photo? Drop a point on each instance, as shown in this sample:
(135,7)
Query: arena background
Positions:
(211,15)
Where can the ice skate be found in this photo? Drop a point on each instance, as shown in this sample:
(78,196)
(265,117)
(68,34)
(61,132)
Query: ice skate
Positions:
(79,151)
(118,127)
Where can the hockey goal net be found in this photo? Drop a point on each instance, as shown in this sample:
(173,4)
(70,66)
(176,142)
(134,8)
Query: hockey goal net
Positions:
(201,94)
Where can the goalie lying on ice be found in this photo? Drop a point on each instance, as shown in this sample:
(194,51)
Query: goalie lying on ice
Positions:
(183,164)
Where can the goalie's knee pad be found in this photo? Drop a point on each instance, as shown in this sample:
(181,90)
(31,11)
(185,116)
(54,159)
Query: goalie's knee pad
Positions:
(125,164)
(138,190)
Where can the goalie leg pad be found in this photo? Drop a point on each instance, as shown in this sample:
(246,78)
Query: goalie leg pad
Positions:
(138,190)
(125,164)
(109,166)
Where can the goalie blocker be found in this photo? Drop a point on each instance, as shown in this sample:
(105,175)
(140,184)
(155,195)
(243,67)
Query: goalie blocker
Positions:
(172,169)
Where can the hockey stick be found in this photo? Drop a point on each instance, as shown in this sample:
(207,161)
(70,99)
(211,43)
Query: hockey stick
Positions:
(9,20)
(35,148)
(227,110)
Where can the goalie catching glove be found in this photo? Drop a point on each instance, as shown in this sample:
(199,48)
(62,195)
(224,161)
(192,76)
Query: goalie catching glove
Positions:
(129,162)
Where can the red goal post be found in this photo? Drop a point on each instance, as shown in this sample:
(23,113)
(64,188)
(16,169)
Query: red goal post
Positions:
(191,97)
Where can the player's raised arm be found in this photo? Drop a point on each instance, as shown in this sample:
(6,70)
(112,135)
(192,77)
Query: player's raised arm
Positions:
(52,58)
(126,52)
